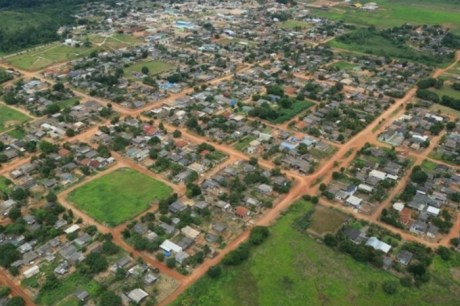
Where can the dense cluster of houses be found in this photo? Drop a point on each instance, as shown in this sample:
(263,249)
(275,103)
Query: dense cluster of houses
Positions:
(369,179)
(198,226)
(63,166)
(448,148)
(427,207)
(414,129)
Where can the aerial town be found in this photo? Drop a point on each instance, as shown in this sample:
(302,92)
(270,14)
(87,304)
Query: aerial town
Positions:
(176,153)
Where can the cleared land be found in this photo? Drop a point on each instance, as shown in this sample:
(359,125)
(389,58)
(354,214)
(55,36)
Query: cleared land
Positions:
(446,110)
(44,56)
(292,24)
(115,41)
(325,220)
(118,196)
(10,117)
(393,13)
(291,268)
(447,90)
(155,67)
(48,55)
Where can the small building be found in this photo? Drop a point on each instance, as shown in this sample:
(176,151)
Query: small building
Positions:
(137,295)
(150,278)
(190,232)
(31,271)
(241,211)
(81,295)
(169,246)
(354,201)
(378,245)
(404,257)
(71,229)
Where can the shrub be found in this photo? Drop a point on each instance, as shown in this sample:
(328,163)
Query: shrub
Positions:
(390,287)
(214,271)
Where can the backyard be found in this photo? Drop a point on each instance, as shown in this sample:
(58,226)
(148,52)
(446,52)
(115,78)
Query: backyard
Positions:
(118,196)
(60,295)
(291,268)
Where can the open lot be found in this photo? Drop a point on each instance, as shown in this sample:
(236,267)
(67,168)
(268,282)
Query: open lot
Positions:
(115,41)
(10,117)
(445,110)
(290,268)
(286,114)
(118,196)
(45,56)
(155,67)
(326,220)
(394,13)
(66,287)
(292,24)
(368,42)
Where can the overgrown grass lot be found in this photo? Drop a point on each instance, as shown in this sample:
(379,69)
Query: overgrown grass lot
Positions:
(118,196)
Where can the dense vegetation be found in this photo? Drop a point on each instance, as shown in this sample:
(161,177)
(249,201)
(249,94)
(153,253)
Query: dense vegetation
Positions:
(27,23)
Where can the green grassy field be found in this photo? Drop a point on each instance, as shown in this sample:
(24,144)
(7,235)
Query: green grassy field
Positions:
(288,113)
(292,24)
(445,110)
(69,102)
(292,269)
(44,56)
(68,286)
(447,90)
(118,196)
(10,117)
(155,67)
(244,143)
(393,13)
(4,184)
(375,44)
(344,65)
(115,41)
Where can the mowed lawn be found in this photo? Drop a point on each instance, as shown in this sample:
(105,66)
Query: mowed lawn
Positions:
(291,268)
(48,55)
(10,117)
(118,196)
(155,67)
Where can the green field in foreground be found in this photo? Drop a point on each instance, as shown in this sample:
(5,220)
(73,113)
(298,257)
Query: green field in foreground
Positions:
(155,67)
(118,196)
(291,268)
(393,13)
(10,117)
